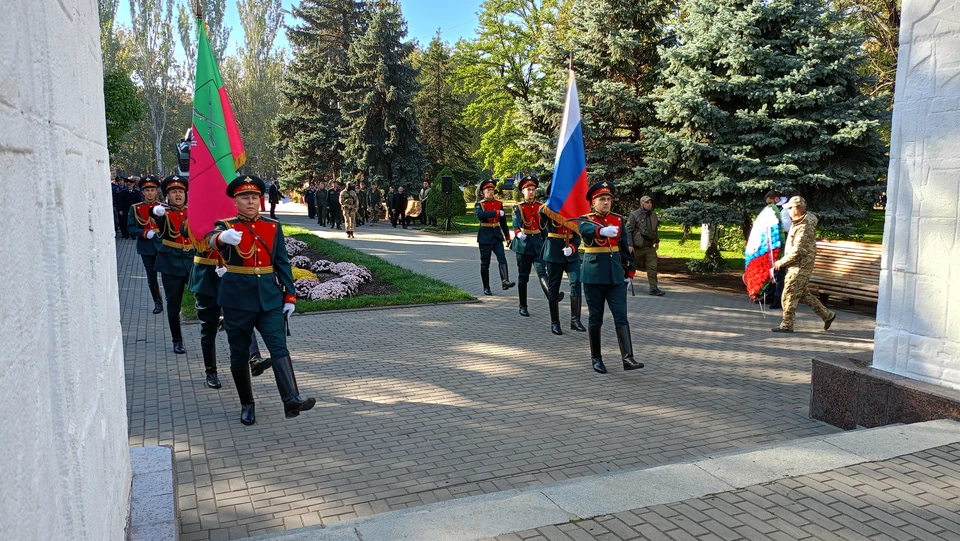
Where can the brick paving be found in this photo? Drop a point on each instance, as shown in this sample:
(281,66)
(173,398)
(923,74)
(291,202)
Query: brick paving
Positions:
(417,405)
(915,496)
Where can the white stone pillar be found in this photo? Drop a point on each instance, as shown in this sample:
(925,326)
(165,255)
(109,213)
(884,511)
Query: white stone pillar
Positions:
(918,315)
(64,458)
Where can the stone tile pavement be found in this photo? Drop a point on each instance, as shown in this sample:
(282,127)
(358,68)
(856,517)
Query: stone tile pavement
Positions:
(417,405)
(916,496)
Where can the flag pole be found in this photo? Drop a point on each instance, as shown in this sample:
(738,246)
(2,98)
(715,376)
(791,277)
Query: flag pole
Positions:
(198,9)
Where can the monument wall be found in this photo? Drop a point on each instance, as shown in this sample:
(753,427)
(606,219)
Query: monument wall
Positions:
(918,315)
(64,459)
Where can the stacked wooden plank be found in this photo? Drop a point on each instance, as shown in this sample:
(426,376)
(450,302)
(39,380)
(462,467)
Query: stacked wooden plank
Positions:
(848,270)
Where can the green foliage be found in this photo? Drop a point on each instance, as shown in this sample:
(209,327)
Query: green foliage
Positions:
(447,141)
(124,108)
(445,206)
(762,95)
(730,239)
(695,213)
(616,60)
(381,135)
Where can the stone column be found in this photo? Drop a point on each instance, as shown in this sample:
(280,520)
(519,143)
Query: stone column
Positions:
(64,459)
(918,315)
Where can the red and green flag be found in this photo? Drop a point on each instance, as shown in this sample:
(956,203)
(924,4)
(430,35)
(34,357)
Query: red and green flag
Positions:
(217,150)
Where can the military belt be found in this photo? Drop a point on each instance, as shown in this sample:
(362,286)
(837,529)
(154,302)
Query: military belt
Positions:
(531,231)
(250,270)
(184,247)
(490,225)
(601,249)
(556,236)
(204,260)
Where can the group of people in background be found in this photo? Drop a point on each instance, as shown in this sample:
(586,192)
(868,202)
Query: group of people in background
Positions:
(347,206)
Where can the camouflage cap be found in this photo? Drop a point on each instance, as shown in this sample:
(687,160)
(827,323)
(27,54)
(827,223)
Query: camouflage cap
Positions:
(795,201)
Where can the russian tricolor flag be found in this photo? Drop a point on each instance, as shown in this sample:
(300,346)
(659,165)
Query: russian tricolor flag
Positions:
(568,190)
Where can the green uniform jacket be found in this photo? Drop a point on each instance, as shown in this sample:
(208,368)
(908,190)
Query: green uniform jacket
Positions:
(362,198)
(495,230)
(139,220)
(533,244)
(605,261)
(248,291)
(553,247)
(800,250)
(320,198)
(175,250)
(203,278)
(375,198)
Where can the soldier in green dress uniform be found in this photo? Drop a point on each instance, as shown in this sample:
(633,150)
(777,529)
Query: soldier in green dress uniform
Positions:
(560,254)
(492,234)
(142,226)
(528,237)
(256,292)
(607,268)
(175,252)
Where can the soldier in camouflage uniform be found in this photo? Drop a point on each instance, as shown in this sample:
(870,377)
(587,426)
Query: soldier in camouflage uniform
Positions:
(800,252)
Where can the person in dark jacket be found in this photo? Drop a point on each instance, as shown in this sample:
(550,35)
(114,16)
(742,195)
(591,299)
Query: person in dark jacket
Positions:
(129,196)
(308,196)
(333,202)
(320,199)
(274,198)
(399,208)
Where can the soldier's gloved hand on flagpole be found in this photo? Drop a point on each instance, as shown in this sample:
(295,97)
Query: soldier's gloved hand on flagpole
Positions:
(159,211)
(288,308)
(568,251)
(151,233)
(231,237)
(521,235)
(221,271)
(610,231)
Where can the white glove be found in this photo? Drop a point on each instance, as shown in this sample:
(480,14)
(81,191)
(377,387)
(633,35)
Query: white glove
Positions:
(521,235)
(231,237)
(159,210)
(288,308)
(151,233)
(610,231)
(501,213)
(626,281)
(221,271)
(568,251)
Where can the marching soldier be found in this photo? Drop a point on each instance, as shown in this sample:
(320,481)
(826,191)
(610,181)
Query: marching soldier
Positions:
(491,236)
(559,255)
(175,253)
(349,202)
(142,226)
(528,244)
(607,267)
(256,292)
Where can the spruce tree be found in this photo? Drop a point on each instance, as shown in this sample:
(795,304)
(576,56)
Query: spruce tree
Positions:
(311,123)
(380,135)
(447,141)
(616,59)
(766,95)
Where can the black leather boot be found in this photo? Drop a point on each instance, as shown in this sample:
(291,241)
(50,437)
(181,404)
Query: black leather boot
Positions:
(241,380)
(157,299)
(505,276)
(485,276)
(258,364)
(174,321)
(287,385)
(593,333)
(626,349)
(522,293)
(575,305)
(555,318)
(546,290)
(210,363)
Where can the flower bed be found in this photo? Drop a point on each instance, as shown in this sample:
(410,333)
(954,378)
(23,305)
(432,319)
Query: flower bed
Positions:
(332,280)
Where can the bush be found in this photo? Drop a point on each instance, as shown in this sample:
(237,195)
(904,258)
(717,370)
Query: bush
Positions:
(445,206)
(730,239)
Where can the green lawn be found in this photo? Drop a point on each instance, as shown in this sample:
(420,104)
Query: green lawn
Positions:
(410,287)
(670,247)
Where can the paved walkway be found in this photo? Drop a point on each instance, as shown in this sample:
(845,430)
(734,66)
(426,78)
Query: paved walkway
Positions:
(418,405)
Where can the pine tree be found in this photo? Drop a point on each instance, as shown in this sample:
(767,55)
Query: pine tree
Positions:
(309,128)
(616,59)
(767,94)
(381,137)
(447,141)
